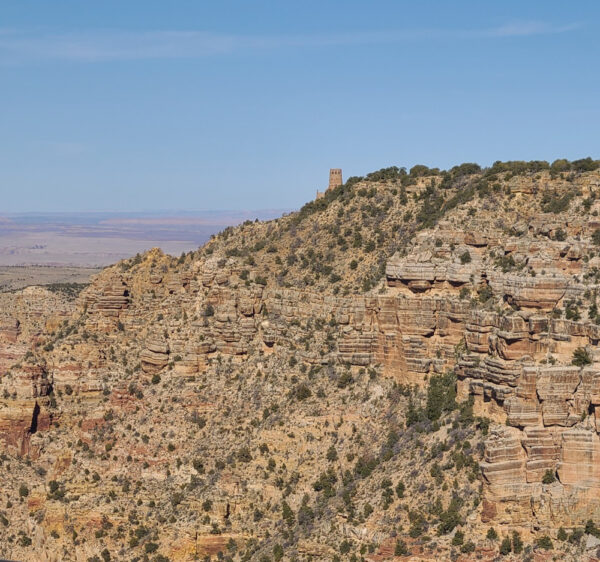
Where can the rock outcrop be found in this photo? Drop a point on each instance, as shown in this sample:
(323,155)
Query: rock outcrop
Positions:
(272,390)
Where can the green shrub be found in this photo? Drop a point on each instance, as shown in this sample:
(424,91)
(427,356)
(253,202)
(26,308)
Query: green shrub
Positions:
(544,542)
(485,293)
(450,518)
(365,466)
(576,535)
(326,483)
(302,392)
(458,538)
(287,514)
(591,529)
(401,549)
(505,546)
(560,235)
(417,524)
(278,552)
(244,455)
(560,165)
(506,263)
(332,454)
(549,477)
(344,380)
(441,395)
(517,543)
(465,169)
(552,202)
(581,357)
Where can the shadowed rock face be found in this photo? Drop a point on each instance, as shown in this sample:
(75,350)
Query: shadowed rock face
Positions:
(158,349)
(25,317)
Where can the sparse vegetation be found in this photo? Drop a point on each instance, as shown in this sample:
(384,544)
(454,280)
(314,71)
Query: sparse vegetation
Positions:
(255,395)
(581,357)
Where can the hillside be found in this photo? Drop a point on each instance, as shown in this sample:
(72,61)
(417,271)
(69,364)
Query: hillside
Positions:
(406,366)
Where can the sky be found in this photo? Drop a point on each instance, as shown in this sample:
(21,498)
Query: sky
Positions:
(147,105)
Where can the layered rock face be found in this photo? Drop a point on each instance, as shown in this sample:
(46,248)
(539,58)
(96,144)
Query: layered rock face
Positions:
(513,361)
(172,379)
(516,364)
(29,319)
(26,316)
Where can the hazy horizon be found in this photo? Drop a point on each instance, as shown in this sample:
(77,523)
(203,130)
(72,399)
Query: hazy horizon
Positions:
(147,212)
(96,239)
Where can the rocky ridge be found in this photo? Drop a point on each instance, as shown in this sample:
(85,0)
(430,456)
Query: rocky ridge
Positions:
(288,391)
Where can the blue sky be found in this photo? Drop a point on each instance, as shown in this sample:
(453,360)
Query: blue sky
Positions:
(150,105)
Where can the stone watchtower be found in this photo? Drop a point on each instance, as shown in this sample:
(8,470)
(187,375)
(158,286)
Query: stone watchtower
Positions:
(335,179)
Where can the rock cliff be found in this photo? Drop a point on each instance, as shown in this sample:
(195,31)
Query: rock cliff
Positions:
(403,366)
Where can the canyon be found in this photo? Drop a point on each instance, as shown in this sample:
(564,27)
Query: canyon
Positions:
(401,367)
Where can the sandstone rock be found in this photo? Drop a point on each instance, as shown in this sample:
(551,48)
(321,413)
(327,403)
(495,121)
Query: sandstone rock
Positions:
(156,355)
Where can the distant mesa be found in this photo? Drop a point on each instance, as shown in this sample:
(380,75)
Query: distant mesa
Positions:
(335,180)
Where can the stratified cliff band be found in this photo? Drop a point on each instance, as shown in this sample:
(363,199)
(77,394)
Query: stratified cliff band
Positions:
(408,365)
